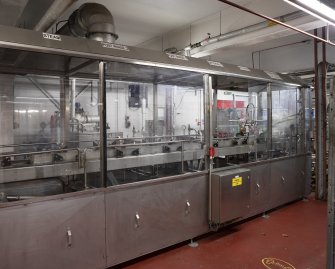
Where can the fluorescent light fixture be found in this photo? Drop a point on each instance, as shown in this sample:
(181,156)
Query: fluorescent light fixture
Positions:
(316,8)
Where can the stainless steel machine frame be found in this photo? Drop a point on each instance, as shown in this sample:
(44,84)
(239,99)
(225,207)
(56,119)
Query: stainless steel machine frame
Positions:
(108,225)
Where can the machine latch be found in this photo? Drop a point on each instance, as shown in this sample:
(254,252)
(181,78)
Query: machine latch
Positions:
(188,208)
(137,220)
(69,237)
(283,180)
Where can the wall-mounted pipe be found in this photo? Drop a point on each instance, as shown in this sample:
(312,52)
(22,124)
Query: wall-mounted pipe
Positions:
(91,20)
(245,30)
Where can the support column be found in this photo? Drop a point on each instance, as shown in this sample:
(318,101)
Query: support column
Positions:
(169,110)
(155,107)
(64,111)
(102,124)
(301,141)
(269,121)
(321,124)
(208,138)
(214,112)
(331,180)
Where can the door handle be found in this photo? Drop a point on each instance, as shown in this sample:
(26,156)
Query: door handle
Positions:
(283,180)
(137,220)
(258,188)
(69,237)
(188,208)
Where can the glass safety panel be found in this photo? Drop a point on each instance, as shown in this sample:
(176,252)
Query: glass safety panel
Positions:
(284,120)
(239,121)
(49,135)
(155,118)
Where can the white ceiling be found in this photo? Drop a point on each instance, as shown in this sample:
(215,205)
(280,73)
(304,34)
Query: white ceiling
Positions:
(141,20)
(138,21)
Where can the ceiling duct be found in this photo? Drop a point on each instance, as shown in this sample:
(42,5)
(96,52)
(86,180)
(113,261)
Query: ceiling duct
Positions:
(91,20)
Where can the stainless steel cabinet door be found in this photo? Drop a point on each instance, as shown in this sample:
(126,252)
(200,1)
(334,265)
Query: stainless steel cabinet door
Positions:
(260,189)
(146,218)
(301,175)
(283,180)
(63,233)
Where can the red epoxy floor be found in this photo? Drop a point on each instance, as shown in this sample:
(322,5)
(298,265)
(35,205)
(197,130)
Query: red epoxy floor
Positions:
(295,233)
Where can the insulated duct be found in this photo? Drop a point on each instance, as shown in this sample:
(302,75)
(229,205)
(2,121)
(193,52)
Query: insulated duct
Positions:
(91,20)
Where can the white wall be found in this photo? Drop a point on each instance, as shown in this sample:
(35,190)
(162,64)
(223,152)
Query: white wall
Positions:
(226,20)
(291,58)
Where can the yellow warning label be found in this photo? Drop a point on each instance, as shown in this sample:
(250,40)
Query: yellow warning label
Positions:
(236,181)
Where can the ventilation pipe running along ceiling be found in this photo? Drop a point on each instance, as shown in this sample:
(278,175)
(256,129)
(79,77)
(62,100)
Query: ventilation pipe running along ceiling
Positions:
(93,21)
(256,33)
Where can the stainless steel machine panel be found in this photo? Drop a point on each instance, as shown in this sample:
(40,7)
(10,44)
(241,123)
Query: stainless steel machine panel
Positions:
(230,195)
(260,188)
(301,176)
(283,182)
(16,38)
(66,233)
(148,216)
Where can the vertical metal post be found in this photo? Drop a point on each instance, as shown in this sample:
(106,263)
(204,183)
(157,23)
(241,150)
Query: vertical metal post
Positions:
(317,112)
(331,180)
(169,110)
(102,124)
(73,98)
(208,106)
(214,112)
(155,114)
(302,121)
(269,121)
(320,107)
(308,140)
(182,156)
(324,111)
(64,110)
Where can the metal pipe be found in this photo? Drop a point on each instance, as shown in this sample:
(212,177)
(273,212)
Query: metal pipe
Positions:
(152,143)
(38,152)
(208,98)
(320,108)
(316,91)
(331,180)
(73,99)
(103,125)
(53,13)
(269,121)
(155,107)
(324,111)
(182,156)
(245,30)
(64,110)
(93,21)
(92,119)
(11,198)
(277,22)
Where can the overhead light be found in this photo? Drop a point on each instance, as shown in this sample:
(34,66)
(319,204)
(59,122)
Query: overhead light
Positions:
(316,8)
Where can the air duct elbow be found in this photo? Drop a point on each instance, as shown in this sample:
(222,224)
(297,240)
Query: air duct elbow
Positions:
(93,21)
